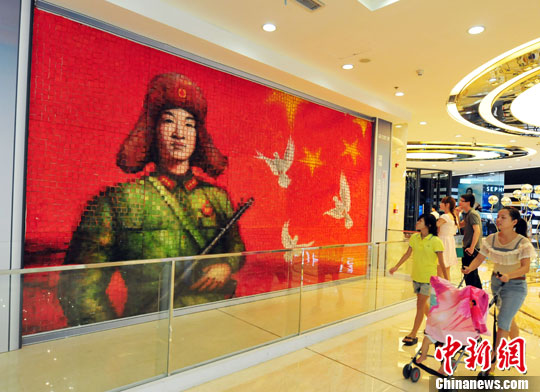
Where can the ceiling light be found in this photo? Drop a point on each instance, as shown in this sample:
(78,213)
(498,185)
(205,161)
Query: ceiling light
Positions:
(512,141)
(492,80)
(430,155)
(481,164)
(347,66)
(399,94)
(399,126)
(525,106)
(423,122)
(458,135)
(269,27)
(374,5)
(476,30)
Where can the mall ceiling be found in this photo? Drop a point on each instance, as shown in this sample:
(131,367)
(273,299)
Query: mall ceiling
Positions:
(418,47)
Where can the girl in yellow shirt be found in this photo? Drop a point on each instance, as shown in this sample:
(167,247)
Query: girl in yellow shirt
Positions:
(427,250)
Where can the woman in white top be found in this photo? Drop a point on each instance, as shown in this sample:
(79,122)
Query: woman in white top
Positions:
(447,225)
(511,253)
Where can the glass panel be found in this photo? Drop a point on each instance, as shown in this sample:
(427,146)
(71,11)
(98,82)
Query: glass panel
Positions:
(231,322)
(90,307)
(338,283)
(444,188)
(428,192)
(411,191)
(398,287)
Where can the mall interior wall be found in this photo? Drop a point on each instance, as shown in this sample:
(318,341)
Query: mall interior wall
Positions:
(48,137)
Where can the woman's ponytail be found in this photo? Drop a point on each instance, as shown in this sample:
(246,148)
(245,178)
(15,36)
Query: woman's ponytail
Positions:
(521,227)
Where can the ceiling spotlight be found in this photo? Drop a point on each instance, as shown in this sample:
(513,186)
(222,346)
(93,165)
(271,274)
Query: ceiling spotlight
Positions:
(423,122)
(512,141)
(269,27)
(476,30)
(492,80)
(347,66)
(399,126)
(458,135)
(399,94)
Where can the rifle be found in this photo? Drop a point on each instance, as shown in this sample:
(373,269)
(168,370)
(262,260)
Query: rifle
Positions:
(191,273)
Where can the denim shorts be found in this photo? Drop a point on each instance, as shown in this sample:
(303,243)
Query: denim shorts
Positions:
(511,297)
(421,288)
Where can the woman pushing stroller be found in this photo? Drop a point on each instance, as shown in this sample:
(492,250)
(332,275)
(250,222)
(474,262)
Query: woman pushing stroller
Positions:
(511,252)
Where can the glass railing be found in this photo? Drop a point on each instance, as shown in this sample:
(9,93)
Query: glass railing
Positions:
(131,322)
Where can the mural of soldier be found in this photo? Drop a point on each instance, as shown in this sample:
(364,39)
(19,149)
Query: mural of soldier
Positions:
(170,212)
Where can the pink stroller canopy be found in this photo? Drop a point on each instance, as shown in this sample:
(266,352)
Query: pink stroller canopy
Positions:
(461,313)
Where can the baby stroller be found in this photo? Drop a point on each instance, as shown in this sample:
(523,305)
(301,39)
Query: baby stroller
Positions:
(460,313)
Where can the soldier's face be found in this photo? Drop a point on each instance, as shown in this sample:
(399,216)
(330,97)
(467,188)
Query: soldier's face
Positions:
(177,134)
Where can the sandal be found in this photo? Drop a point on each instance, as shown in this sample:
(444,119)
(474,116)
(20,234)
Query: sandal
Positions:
(409,341)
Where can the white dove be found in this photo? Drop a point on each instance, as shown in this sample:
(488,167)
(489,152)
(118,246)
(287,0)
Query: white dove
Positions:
(343,204)
(279,166)
(289,243)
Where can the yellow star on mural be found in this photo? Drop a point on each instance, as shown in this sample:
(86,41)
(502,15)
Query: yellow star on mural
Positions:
(363,124)
(290,101)
(351,149)
(312,159)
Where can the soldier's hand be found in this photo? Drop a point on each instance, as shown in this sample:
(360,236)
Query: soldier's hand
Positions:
(214,277)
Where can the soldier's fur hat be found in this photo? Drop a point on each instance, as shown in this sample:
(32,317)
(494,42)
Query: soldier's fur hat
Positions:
(170,91)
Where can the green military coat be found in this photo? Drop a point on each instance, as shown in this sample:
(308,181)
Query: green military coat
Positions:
(154,217)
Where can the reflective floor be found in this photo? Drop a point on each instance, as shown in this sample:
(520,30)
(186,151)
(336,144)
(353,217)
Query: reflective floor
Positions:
(368,359)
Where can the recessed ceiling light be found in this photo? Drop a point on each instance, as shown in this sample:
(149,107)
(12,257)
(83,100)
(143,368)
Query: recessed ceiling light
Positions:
(458,135)
(492,80)
(476,30)
(423,122)
(347,66)
(399,126)
(481,164)
(399,94)
(269,27)
(512,141)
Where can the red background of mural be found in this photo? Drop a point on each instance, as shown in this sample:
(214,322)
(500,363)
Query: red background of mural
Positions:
(87,90)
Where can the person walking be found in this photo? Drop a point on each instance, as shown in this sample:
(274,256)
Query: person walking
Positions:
(511,252)
(472,230)
(447,226)
(427,250)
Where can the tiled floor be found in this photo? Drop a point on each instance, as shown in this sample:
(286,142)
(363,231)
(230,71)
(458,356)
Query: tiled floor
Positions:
(368,359)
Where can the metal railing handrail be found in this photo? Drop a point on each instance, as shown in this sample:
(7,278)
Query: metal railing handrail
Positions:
(71,267)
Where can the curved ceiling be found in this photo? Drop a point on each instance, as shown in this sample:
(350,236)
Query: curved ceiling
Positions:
(455,152)
(484,98)
(421,47)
